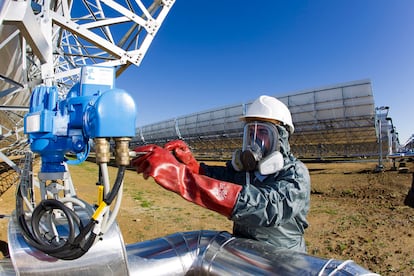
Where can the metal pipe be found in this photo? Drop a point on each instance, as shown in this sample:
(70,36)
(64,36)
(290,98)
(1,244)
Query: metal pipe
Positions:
(203,253)
(219,253)
(105,257)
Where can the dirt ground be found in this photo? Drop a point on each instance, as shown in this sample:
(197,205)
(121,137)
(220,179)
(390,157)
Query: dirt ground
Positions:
(355,214)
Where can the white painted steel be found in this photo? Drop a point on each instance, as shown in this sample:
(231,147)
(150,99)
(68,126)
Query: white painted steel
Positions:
(49,43)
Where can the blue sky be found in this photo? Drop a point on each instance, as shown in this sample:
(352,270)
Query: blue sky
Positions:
(215,53)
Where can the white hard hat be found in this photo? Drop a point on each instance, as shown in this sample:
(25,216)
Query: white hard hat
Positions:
(270,109)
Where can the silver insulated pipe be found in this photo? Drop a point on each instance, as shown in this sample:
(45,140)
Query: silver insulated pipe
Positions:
(219,253)
(186,253)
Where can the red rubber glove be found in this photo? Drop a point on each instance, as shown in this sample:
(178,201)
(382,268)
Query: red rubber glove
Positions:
(207,192)
(183,154)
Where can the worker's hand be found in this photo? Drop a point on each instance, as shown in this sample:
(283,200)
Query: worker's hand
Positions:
(236,160)
(159,164)
(183,154)
(210,193)
(149,158)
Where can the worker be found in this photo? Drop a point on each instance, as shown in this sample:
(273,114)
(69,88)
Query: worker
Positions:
(264,189)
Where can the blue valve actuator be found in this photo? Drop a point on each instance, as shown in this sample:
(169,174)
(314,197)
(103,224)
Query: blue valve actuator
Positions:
(93,108)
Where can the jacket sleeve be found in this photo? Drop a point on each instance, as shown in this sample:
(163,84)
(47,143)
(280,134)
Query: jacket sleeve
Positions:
(224,173)
(277,200)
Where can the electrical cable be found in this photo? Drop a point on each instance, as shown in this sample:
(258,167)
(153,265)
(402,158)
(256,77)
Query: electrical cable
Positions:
(114,212)
(118,182)
(68,248)
(80,237)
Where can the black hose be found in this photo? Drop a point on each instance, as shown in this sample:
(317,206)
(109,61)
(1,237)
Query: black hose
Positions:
(115,189)
(71,247)
(47,207)
(74,246)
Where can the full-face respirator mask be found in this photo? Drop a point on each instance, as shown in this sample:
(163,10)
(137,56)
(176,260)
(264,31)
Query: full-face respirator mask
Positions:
(261,149)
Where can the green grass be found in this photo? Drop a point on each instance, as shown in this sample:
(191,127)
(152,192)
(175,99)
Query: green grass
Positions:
(144,203)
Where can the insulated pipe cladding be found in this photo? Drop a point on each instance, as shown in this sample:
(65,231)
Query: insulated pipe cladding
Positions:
(219,253)
(187,253)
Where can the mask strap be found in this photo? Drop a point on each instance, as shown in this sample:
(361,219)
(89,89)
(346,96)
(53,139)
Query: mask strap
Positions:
(247,178)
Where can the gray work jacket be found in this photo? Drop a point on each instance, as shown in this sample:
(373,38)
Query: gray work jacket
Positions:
(271,208)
